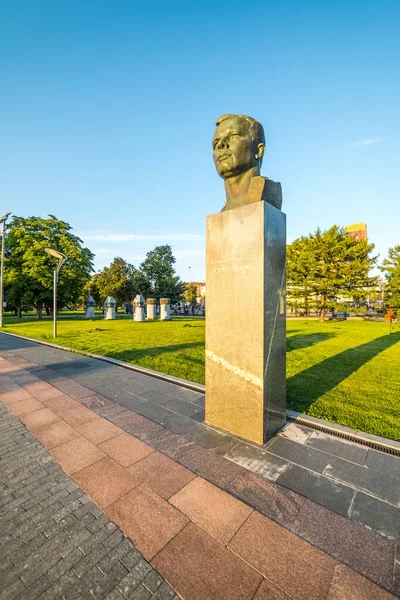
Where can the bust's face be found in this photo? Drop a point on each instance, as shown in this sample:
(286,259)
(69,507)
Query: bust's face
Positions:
(234,150)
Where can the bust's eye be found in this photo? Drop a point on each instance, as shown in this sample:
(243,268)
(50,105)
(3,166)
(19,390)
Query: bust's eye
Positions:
(234,135)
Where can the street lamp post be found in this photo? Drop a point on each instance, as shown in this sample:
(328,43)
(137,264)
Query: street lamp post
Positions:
(190,279)
(61,258)
(3,247)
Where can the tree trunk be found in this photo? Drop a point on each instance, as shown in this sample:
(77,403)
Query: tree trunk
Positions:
(19,312)
(38,310)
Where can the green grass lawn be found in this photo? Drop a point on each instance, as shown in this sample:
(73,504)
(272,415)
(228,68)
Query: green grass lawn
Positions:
(345,372)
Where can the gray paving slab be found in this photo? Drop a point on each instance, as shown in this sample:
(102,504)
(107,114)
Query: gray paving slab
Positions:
(383,463)
(337,447)
(257,460)
(211,438)
(371,481)
(299,454)
(329,493)
(64,554)
(377,515)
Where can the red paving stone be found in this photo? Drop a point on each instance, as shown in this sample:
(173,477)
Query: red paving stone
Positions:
(56,434)
(212,509)
(77,454)
(163,475)
(79,415)
(349,585)
(106,481)
(25,406)
(61,403)
(292,564)
(99,430)
(269,591)
(133,423)
(39,418)
(270,499)
(147,519)
(364,551)
(209,465)
(11,397)
(44,393)
(37,385)
(198,567)
(10,368)
(125,449)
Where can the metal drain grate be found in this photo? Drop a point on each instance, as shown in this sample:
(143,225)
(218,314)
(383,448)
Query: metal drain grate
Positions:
(345,436)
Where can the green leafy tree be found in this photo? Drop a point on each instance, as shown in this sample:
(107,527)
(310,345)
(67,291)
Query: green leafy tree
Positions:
(116,281)
(298,263)
(329,265)
(391,268)
(158,269)
(121,280)
(191,295)
(141,285)
(91,289)
(29,269)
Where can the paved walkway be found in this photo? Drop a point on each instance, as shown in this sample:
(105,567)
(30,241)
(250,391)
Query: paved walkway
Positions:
(188,497)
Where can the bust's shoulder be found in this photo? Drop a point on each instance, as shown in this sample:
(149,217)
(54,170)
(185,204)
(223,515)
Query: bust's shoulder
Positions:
(262,188)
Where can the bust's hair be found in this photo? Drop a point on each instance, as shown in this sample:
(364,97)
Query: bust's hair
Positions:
(256,129)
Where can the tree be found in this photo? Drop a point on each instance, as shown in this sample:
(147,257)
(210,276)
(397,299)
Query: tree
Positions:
(141,285)
(391,268)
(29,269)
(191,295)
(120,280)
(298,267)
(116,281)
(158,269)
(330,264)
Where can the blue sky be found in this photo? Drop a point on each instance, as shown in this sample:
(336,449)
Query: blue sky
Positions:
(107,110)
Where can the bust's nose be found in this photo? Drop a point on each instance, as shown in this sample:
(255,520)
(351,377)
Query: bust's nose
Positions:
(223,143)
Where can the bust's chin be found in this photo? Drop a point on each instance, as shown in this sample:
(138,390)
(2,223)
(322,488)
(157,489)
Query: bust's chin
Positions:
(227,171)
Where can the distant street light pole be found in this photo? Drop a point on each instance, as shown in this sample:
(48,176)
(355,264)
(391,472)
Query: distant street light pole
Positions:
(190,279)
(3,247)
(62,258)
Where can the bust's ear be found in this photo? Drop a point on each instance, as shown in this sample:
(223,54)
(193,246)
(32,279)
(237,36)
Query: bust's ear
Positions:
(260,151)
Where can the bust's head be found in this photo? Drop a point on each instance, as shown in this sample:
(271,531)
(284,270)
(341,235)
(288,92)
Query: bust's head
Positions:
(238,145)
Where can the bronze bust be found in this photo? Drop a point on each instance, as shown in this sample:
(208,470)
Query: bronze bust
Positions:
(238,149)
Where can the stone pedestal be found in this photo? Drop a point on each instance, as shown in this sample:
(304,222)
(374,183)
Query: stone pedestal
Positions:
(89,314)
(165,309)
(138,304)
(246,321)
(138,314)
(109,308)
(90,304)
(151,309)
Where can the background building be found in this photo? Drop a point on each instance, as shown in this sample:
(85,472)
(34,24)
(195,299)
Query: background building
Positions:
(358,230)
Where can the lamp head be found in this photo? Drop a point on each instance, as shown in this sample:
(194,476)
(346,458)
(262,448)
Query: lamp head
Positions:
(55,253)
(4,217)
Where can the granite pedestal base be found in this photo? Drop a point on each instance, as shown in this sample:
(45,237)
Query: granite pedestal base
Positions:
(246,321)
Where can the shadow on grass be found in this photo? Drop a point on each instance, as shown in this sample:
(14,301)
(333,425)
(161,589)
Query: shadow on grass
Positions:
(309,385)
(305,340)
(156,351)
